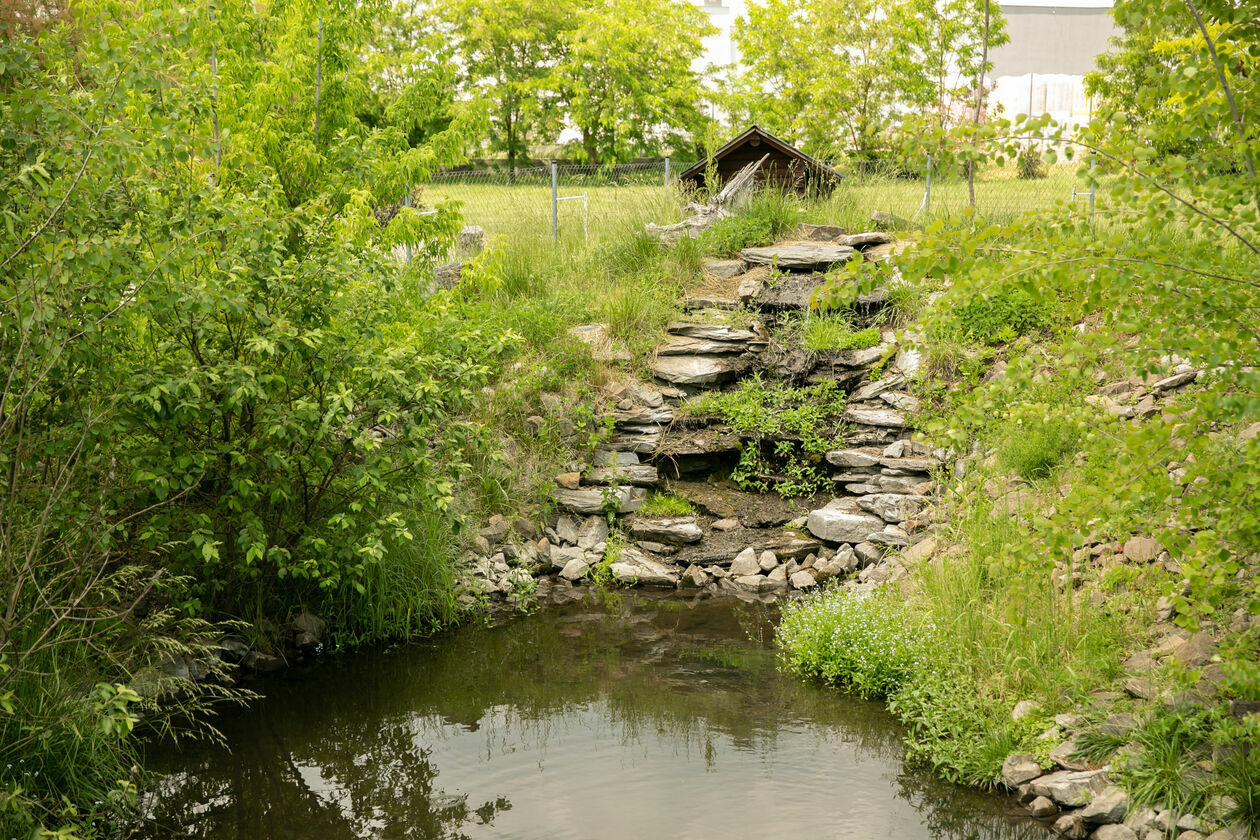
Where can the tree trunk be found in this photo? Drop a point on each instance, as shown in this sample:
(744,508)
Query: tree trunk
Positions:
(984,60)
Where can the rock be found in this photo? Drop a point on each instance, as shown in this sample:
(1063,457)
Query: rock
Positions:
(615,458)
(495,529)
(1175,381)
(725,525)
(1109,806)
(866,240)
(758,583)
(622,499)
(562,557)
(1118,725)
(593,532)
(749,287)
(719,332)
(698,370)
(694,578)
(1062,754)
(310,625)
(1023,709)
(1019,768)
(778,575)
(1140,688)
(1197,651)
(1070,787)
(1117,832)
(892,507)
(803,580)
(597,337)
(875,417)
(636,568)
(837,526)
(1165,609)
(567,530)
(852,458)
(745,563)
(799,256)
(639,475)
(677,531)
(1041,807)
(860,357)
(868,553)
(569,480)
(262,663)
(1071,826)
(681,345)
(820,233)
(1142,549)
(767,561)
(722,269)
(922,550)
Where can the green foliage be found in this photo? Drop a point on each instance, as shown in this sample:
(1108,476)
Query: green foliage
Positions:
(866,642)
(828,333)
(999,315)
(1036,439)
(666,504)
(769,214)
(1162,766)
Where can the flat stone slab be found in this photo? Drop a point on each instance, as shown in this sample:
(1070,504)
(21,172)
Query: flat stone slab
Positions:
(639,475)
(719,332)
(722,269)
(720,549)
(623,499)
(637,569)
(792,291)
(698,370)
(799,256)
(682,345)
(866,240)
(883,417)
(1070,787)
(677,531)
(839,525)
(854,458)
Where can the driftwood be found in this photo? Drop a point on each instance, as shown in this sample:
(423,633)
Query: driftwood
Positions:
(704,216)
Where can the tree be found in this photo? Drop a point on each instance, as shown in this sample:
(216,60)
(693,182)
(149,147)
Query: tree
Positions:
(506,50)
(626,80)
(836,77)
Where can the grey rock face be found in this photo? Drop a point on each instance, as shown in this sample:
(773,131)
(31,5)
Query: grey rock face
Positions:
(852,458)
(637,569)
(1019,768)
(593,532)
(622,499)
(698,370)
(719,332)
(1109,806)
(745,563)
(722,269)
(884,417)
(679,531)
(834,525)
(1070,787)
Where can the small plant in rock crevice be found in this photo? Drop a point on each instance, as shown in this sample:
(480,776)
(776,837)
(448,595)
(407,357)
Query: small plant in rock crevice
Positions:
(666,504)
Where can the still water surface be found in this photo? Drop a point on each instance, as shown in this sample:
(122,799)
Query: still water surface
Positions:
(635,717)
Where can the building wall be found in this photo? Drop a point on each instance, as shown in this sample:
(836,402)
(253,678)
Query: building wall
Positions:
(1052,40)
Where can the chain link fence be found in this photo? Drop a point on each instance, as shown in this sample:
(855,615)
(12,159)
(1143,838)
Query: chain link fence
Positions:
(580,201)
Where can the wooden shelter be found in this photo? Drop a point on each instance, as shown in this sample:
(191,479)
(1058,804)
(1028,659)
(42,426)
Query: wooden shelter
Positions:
(786,166)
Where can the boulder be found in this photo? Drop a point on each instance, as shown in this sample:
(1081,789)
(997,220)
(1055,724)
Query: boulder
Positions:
(695,578)
(892,507)
(884,417)
(872,390)
(615,458)
(745,563)
(678,531)
(799,256)
(1142,549)
(593,532)
(719,332)
(621,499)
(637,569)
(567,530)
(722,269)
(767,561)
(1109,806)
(837,525)
(759,583)
(1071,826)
(1175,381)
(852,458)
(698,370)
(866,240)
(639,475)
(1118,832)
(1019,768)
(1070,787)
(820,233)
(803,580)
(1041,808)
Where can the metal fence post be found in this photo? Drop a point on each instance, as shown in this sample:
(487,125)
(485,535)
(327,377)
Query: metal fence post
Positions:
(555,206)
(667,172)
(927,189)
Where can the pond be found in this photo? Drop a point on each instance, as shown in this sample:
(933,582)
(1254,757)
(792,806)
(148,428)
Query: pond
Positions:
(628,716)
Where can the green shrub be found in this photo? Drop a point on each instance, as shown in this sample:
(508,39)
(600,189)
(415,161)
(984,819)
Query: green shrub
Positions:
(731,235)
(1000,316)
(863,642)
(1162,768)
(827,333)
(666,504)
(1033,444)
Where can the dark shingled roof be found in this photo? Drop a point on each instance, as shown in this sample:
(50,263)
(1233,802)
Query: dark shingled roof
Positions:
(810,164)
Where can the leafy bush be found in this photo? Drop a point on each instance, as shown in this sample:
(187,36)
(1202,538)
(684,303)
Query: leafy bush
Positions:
(731,235)
(666,504)
(826,333)
(865,642)
(1036,440)
(1162,767)
(1000,316)
(1030,164)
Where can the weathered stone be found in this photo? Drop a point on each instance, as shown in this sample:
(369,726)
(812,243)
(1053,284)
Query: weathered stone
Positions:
(1070,787)
(637,569)
(852,458)
(615,458)
(875,417)
(567,530)
(1041,807)
(868,553)
(1063,756)
(310,625)
(1071,826)
(1142,549)
(619,499)
(603,347)
(767,561)
(495,529)
(922,550)
(639,475)
(871,390)
(866,240)
(1109,806)
(1023,709)
(1175,381)
(722,269)
(799,256)
(726,525)
(569,480)
(1019,768)
(593,532)
(902,466)
(698,370)
(892,507)
(1197,651)
(1117,832)
(719,332)
(694,578)
(803,580)
(1140,688)
(681,345)
(778,575)
(561,557)
(1118,725)
(820,233)
(643,441)
(678,531)
(858,357)
(745,563)
(837,525)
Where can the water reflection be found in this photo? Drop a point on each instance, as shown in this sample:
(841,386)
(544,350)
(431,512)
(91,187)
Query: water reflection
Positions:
(638,717)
